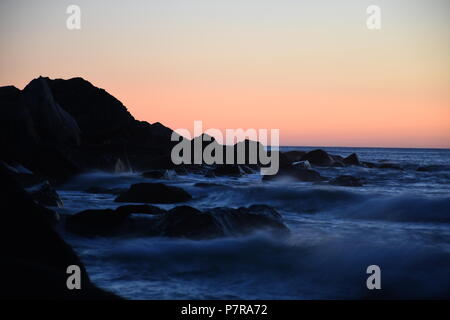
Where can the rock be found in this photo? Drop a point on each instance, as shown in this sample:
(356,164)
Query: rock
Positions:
(34,256)
(347,180)
(45,195)
(319,157)
(352,160)
(154,193)
(154,174)
(298,174)
(433,168)
(294,156)
(23,176)
(102,222)
(246,220)
(232,170)
(188,222)
(369,164)
(302,164)
(140,208)
(338,161)
(387,165)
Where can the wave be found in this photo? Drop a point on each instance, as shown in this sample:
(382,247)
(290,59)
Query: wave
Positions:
(261,267)
(401,208)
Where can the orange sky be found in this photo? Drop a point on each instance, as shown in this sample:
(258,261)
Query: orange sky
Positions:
(310,68)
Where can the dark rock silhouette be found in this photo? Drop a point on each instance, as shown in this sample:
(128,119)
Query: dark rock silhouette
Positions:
(154,193)
(319,157)
(34,257)
(188,222)
(352,160)
(295,155)
(45,195)
(347,180)
(100,222)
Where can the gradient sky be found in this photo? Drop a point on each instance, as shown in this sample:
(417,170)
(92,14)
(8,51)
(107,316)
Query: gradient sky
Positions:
(309,68)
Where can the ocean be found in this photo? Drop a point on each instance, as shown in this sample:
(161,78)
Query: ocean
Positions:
(399,220)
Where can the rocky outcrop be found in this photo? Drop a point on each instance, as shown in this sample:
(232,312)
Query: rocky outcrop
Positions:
(179,222)
(154,193)
(34,257)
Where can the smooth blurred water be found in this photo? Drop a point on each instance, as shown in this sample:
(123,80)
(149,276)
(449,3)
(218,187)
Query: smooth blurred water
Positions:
(399,220)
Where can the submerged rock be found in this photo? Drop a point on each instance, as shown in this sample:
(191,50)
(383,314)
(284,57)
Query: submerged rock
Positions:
(154,193)
(388,165)
(347,180)
(293,173)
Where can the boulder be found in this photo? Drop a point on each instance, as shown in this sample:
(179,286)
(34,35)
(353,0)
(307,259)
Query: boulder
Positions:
(45,195)
(102,222)
(347,180)
(188,222)
(294,156)
(34,257)
(302,164)
(319,157)
(154,193)
(352,160)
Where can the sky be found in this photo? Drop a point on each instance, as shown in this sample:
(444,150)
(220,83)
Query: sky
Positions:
(311,69)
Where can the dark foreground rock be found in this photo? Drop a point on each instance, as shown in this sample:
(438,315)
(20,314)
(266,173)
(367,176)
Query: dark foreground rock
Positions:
(181,222)
(45,195)
(347,180)
(34,257)
(154,193)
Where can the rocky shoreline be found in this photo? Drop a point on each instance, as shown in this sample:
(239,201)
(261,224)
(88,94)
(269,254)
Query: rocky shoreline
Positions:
(53,130)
